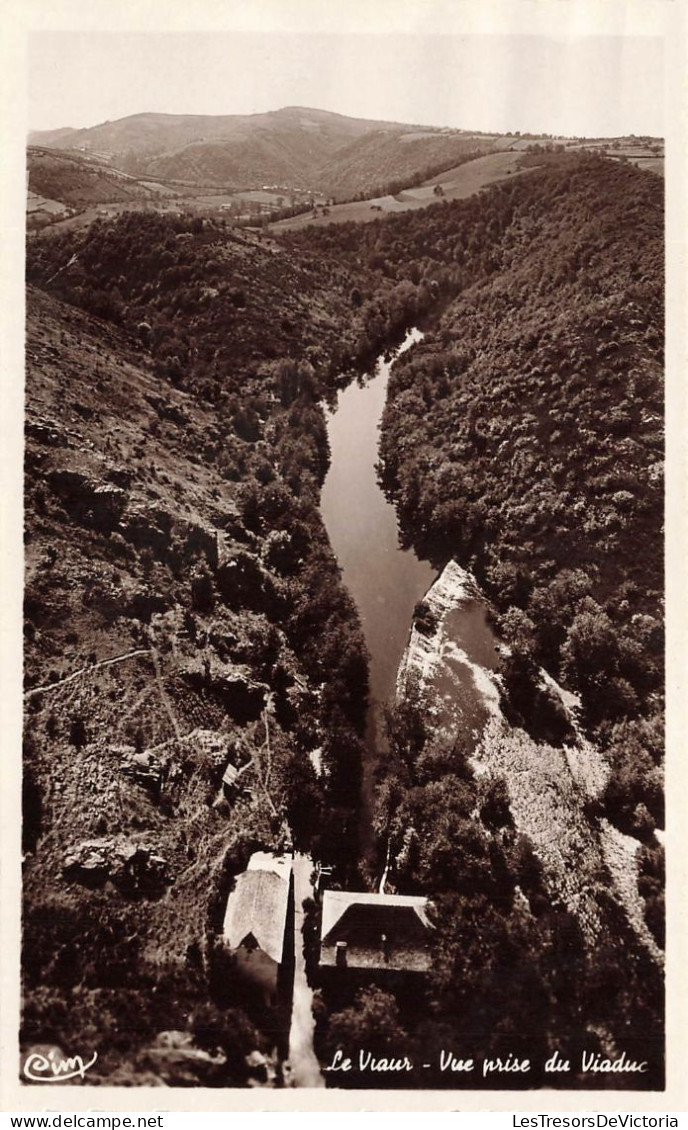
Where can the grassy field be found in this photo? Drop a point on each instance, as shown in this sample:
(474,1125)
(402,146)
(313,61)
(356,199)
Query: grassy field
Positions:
(36,203)
(642,155)
(457,183)
(654,164)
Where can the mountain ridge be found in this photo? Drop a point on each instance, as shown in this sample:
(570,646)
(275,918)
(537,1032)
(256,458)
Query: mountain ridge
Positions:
(297,147)
(33,135)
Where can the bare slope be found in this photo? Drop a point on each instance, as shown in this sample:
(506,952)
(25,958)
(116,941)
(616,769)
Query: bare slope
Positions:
(457,183)
(139,712)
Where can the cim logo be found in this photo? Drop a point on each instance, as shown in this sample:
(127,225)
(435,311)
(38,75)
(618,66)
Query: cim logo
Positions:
(50,1065)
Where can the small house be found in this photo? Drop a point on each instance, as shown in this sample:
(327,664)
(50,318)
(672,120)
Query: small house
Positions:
(230,781)
(256,920)
(375,931)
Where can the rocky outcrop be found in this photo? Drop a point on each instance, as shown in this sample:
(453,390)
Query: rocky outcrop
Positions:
(215,746)
(166,408)
(454,670)
(99,504)
(89,863)
(242,582)
(454,587)
(147,528)
(453,661)
(144,604)
(230,684)
(144,769)
(45,432)
(175,1060)
(134,869)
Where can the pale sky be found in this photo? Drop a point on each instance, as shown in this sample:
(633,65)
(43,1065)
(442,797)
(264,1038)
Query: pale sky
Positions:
(601,85)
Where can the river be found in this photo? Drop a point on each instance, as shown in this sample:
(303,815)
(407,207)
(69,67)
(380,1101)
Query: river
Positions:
(385,581)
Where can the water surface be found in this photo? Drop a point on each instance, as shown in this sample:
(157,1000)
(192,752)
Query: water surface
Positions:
(384,580)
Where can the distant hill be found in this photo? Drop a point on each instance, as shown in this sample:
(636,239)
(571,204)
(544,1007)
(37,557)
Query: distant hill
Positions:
(161,132)
(294,147)
(52,137)
(76,179)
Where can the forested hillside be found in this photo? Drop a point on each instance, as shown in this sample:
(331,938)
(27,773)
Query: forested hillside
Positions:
(526,438)
(524,435)
(184,618)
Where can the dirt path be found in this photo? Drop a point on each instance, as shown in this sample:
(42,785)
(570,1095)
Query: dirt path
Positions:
(86,671)
(305,1069)
(164,696)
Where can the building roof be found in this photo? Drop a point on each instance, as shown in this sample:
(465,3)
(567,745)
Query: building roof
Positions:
(375,931)
(280,865)
(257,907)
(337,903)
(230,774)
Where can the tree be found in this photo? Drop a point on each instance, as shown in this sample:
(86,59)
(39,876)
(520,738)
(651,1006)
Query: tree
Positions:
(635,786)
(371,1024)
(495,811)
(228,1031)
(356,298)
(202,589)
(77,733)
(590,658)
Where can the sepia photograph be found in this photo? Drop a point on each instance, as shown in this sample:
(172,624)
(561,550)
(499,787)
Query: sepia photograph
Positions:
(344,557)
